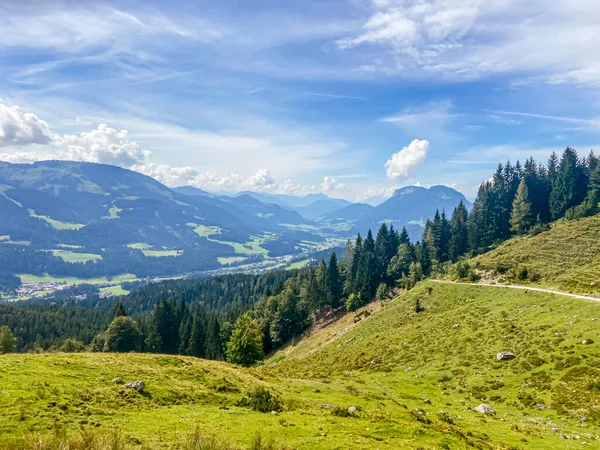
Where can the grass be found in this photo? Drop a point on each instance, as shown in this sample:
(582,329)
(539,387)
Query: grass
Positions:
(65,392)
(73,257)
(250,248)
(385,363)
(566,257)
(161,253)
(16,242)
(113,213)
(231,260)
(448,354)
(57,224)
(140,246)
(69,246)
(204,231)
(28,278)
(299,264)
(116,290)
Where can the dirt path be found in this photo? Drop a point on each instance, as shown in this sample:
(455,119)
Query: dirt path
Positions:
(529,288)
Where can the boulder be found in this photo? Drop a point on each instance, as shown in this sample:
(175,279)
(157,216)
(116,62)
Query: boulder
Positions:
(137,385)
(117,380)
(505,356)
(485,409)
(352,410)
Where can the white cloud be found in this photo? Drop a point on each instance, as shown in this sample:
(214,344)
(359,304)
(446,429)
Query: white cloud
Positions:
(432,119)
(552,42)
(331,184)
(106,145)
(402,163)
(18,128)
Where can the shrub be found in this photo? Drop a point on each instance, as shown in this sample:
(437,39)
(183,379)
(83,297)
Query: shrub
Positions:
(261,399)
(8,343)
(382,291)
(72,346)
(122,335)
(353,302)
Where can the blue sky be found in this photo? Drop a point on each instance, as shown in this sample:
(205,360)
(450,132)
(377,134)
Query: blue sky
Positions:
(353,98)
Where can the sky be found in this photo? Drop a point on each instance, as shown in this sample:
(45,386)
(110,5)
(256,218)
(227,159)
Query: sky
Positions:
(352,98)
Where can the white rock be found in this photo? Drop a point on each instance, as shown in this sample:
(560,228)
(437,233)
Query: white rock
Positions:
(485,409)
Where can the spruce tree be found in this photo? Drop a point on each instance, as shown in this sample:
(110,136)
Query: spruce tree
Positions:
(334,281)
(382,249)
(459,241)
(404,237)
(118,311)
(214,347)
(521,218)
(197,345)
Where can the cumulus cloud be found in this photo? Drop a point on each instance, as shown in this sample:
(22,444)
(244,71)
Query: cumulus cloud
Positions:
(107,145)
(402,163)
(331,184)
(19,128)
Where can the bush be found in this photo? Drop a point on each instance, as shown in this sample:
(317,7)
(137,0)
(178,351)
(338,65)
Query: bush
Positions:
(72,346)
(122,335)
(353,302)
(382,292)
(8,343)
(261,399)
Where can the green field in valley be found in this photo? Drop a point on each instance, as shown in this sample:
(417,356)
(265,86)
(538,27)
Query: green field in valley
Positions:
(57,224)
(73,257)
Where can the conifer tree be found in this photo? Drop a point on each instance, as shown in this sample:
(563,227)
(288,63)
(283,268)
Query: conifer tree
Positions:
(197,345)
(521,218)
(118,311)
(404,237)
(459,241)
(381,252)
(322,280)
(185,331)
(214,347)
(334,282)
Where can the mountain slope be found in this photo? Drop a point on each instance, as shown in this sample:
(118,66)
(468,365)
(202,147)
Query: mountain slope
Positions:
(566,257)
(447,353)
(409,206)
(310,206)
(127,222)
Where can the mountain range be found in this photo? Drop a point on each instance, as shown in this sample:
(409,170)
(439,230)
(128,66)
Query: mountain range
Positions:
(87,220)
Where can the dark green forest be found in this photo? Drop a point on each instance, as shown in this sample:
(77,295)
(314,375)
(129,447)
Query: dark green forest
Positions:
(208,317)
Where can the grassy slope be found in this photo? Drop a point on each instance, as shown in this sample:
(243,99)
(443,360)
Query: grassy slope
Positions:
(567,257)
(448,354)
(41,393)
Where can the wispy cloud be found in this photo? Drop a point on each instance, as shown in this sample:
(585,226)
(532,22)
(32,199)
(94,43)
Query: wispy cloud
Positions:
(335,96)
(590,124)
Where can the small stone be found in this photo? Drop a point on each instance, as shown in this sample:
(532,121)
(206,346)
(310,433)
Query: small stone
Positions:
(587,341)
(505,356)
(137,385)
(485,409)
(555,429)
(117,380)
(456,325)
(274,413)
(352,410)
(427,401)
(327,406)
(348,374)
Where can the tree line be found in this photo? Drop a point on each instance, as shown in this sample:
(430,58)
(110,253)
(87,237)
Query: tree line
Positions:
(275,308)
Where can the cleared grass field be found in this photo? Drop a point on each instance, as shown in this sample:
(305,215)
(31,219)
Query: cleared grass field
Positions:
(140,246)
(57,224)
(28,278)
(250,248)
(566,258)
(73,257)
(161,253)
(231,260)
(299,264)
(116,290)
